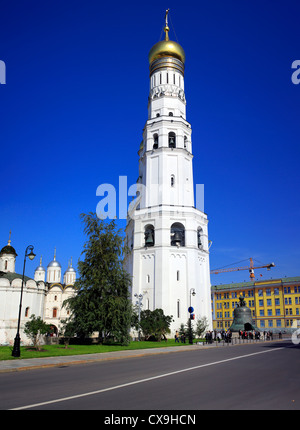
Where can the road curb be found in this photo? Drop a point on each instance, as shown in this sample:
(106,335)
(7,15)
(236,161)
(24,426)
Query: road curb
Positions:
(64,361)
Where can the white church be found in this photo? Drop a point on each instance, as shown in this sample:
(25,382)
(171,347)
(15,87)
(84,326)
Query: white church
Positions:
(42,296)
(166,234)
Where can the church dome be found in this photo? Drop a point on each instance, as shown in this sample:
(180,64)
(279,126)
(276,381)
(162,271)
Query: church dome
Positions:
(40,268)
(8,249)
(54,263)
(166,48)
(70,268)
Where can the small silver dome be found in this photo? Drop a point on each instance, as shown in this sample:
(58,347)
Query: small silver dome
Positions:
(54,263)
(40,268)
(70,268)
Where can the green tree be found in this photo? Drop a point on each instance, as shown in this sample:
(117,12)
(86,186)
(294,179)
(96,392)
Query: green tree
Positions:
(68,329)
(155,323)
(201,326)
(102,301)
(35,328)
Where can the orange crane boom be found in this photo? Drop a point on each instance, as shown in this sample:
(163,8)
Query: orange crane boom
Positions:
(250,268)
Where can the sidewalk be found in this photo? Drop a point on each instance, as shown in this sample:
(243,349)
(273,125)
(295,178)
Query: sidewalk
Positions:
(36,363)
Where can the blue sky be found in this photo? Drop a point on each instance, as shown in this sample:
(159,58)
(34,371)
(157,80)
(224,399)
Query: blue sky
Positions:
(75,103)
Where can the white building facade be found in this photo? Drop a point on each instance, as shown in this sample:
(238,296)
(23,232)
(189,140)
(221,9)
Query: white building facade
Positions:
(166,235)
(40,298)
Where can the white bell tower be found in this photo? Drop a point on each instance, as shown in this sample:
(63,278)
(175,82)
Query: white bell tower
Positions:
(166,235)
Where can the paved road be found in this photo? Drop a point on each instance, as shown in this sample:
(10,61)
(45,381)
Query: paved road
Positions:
(251,376)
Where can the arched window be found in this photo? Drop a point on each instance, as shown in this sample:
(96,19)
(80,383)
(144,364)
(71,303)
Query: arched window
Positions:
(199,238)
(170,113)
(185,140)
(172,140)
(54,313)
(172,180)
(149,235)
(155,139)
(177,234)
(5,268)
(27,312)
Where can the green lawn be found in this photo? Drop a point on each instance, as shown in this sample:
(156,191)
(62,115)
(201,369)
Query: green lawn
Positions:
(57,350)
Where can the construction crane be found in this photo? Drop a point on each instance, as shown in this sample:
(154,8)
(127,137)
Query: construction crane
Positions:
(250,268)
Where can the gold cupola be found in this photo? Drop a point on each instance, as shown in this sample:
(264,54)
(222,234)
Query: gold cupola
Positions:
(166,52)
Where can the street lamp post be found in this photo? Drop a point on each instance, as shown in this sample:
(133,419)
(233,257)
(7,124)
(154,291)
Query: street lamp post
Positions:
(192,293)
(16,349)
(139,303)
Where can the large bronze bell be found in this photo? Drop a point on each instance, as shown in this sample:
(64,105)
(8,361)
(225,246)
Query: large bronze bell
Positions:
(172,142)
(177,238)
(242,319)
(149,238)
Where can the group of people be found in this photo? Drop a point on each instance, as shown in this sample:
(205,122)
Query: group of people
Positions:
(250,334)
(215,335)
(180,337)
(226,335)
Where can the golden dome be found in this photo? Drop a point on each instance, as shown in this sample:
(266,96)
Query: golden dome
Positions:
(166,48)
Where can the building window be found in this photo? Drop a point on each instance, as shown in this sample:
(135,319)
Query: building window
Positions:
(5,265)
(155,138)
(177,234)
(54,313)
(178,308)
(148,279)
(27,312)
(172,180)
(178,275)
(172,140)
(199,237)
(149,235)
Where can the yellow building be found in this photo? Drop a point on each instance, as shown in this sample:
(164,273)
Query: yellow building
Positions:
(274,303)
